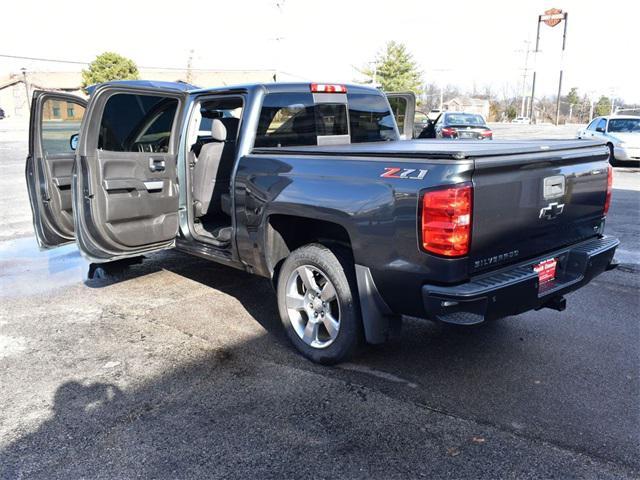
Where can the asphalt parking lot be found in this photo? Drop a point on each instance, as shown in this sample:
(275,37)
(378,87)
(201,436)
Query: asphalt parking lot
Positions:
(177,368)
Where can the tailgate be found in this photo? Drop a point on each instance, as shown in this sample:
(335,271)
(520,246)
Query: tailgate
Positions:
(529,204)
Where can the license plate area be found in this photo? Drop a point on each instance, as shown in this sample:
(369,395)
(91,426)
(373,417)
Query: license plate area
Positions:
(546,270)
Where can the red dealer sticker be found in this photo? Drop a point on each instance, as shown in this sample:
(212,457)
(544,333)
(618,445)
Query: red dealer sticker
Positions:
(546,270)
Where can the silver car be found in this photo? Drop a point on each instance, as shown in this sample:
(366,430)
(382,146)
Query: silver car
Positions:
(621,132)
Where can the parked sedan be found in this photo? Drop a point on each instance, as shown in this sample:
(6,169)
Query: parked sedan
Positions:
(463,126)
(621,132)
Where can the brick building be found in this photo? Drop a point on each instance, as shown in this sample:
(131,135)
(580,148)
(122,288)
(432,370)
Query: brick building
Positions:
(14,95)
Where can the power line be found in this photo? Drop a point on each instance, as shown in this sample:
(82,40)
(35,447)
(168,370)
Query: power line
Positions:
(17,57)
(76,62)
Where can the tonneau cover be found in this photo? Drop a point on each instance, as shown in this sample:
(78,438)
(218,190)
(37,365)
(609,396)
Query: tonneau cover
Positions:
(437,148)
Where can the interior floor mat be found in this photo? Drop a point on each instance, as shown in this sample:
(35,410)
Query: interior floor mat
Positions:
(220,233)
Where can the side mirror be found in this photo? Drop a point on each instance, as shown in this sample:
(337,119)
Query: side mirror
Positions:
(73,141)
(600,129)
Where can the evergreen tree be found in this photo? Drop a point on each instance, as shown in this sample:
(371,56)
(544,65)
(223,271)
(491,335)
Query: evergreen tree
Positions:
(572,97)
(396,71)
(109,66)
(603,107)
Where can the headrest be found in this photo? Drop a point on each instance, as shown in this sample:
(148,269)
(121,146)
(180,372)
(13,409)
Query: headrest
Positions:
(218,130)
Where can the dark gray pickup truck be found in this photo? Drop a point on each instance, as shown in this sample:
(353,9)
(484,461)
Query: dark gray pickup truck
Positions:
(310,185)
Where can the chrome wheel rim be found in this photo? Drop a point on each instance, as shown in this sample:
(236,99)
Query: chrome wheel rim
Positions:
(312,306)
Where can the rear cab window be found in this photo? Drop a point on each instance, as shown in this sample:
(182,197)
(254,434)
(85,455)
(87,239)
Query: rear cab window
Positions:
(300,119)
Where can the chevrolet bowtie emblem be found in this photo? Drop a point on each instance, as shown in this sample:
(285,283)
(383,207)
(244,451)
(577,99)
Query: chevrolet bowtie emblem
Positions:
(552,210)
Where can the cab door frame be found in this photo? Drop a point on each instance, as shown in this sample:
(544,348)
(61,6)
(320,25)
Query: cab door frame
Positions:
(409,114)
(49,177)
(125,202)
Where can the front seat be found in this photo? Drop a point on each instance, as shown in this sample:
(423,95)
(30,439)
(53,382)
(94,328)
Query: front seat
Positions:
(205,170)
(221,188)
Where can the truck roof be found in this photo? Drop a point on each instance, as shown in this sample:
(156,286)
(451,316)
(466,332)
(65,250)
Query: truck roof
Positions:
(282,87)
(275,87)
(438,148)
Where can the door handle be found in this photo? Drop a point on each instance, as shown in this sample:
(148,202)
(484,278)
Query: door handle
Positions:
(156,164)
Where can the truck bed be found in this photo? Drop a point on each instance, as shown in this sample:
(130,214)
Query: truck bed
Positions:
(433,149)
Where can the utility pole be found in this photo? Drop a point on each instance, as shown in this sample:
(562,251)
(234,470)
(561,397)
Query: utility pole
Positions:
(564,43)
(26,86)
(279,6)
(189,67)
(441,97)
(525,74)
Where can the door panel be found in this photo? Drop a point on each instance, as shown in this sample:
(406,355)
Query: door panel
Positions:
(126,194)
(55,117)
(140,206)
(403,106)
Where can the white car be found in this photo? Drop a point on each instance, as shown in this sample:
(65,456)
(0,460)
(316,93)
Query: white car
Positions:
(522,120)
(621,132)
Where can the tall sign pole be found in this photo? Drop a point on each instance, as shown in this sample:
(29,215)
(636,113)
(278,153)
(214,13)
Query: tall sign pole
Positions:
(535,67)
(564,43)
(551,18)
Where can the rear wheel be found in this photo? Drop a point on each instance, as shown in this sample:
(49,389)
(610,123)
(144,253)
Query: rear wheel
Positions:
(317,300)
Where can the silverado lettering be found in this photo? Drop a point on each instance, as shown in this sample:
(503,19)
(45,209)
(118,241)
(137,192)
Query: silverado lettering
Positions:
(485,262)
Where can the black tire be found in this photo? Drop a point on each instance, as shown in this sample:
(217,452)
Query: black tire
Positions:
(337,267)
(612,158)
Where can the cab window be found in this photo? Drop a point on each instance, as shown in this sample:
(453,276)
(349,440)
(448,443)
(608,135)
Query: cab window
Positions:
(137,123)
(293,119)
(399,107)
(370,119)
(60,120)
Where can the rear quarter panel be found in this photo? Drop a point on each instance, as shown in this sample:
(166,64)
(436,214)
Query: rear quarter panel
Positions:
(379,214)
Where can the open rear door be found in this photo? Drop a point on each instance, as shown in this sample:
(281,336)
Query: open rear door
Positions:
(54,125)
(403,106)
(126,187)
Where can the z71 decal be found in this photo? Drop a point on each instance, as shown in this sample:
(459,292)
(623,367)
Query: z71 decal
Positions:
(410,173)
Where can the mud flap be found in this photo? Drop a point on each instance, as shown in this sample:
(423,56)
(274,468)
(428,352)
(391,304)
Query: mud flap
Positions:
(378,320)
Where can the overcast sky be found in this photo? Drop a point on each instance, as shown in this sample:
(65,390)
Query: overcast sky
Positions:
(460,42)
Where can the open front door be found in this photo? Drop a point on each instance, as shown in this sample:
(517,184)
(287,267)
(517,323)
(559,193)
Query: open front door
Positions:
(54,125)
(403,106)
(126,186)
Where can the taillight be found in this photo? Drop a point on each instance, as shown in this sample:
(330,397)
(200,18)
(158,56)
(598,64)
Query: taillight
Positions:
(446,220)
(327,88)
(607,200)
(448,132)
(487,133)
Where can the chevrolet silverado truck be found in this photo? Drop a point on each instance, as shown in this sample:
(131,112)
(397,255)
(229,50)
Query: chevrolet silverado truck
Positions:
(311,186)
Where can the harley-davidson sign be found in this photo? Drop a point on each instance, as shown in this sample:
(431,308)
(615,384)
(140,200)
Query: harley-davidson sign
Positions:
(552,17)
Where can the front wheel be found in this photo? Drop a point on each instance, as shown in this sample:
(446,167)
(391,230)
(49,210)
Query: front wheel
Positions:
(318,304)
(612,158)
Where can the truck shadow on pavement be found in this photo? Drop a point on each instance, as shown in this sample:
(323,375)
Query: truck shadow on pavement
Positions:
(257,409)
